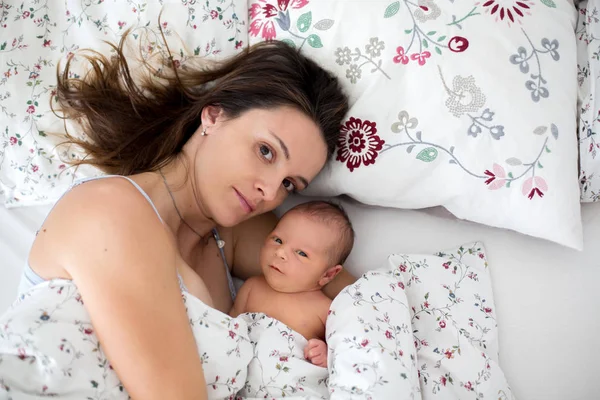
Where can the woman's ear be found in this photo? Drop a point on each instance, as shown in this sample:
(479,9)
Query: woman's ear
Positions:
(210,116)
(329,275)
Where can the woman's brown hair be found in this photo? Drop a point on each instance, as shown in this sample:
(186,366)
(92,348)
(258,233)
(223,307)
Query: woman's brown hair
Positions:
(139,125)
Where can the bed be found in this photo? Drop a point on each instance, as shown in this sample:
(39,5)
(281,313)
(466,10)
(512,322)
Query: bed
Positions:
(544,289)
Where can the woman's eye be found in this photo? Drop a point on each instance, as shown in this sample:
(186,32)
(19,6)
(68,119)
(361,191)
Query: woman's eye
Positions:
(266,152)
(277,240)
(302,254)
(289,186)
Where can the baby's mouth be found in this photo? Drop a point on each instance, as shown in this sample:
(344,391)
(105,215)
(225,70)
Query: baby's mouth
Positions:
(275,268)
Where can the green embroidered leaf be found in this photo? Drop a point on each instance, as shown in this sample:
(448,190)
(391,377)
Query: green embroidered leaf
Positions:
(425,44)
(3,46)
(407,30)
(549,3)
(437,50)
(324,24)
(315,41)
(554,131)
(392,9)
(441,38)
(539,165)
(508,184)
(430,33)
(197,51)
(548,150)
(510,175)
(42,133)
(289,42)
(427,155)
(304,22)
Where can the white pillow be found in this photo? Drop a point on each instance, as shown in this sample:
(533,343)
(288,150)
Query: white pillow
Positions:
(454,323)
(588,70)
(466,105)
(36,38)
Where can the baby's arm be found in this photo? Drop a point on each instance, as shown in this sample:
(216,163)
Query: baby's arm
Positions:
(241,300)
(316,349)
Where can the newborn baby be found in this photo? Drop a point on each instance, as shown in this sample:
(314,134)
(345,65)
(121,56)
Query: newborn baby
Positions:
(304,253)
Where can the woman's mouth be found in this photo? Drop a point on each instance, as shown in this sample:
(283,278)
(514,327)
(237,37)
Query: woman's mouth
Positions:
(246,206)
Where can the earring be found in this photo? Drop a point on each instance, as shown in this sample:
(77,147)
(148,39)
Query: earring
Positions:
(203,132)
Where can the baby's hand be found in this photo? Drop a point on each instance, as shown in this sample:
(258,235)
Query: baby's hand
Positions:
(316,352)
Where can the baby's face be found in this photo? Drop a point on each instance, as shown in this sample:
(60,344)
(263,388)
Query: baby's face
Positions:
(295,255)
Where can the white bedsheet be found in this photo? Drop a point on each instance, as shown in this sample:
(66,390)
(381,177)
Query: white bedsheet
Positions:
(547,296)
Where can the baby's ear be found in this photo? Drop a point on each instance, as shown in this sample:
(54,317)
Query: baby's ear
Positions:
(330,274)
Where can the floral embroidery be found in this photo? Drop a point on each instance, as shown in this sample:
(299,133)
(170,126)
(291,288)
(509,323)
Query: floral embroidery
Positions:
(372,51)
(264,14)
(358,143)
(509,10)
(536,85)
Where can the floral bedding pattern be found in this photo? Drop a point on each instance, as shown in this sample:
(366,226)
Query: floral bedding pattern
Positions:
(48,348)
(450,102)
(588,74)
(36,35)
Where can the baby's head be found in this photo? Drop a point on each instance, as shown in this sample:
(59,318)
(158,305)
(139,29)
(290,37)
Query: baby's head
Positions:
(307,248)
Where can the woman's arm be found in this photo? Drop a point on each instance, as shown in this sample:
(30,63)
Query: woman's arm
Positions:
(248,239)
(123,261)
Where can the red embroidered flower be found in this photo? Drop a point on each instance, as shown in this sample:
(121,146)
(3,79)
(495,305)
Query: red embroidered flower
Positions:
(283,358)
(22,354)
(263,15)
(487,310)
(424,343)
(401,285)
(469,386)
(458,44)
(239,44)
(214,14)
(426,304)
(497,177)
(388,334)
(88,331)
(401,57)
(13,140)
(449,354)
(446,264)
(232,334)
(535,185)
(402,267)
(481,256)
(364,343)
(442,324)
(358,143)
(26,14)
(30,109)
(509,9)
(47,43)
(421,57)
(443,380)
(121,24)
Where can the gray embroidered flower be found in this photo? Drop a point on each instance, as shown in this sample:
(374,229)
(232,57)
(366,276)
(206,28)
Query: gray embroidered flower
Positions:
(521,59)
(404,121)
(343,56)
(536,91)
(353,73)
(551,46)
(465,96)
(374,47)
(427,10)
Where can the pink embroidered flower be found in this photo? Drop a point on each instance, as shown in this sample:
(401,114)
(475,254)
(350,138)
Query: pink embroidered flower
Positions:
(214,14)
(263,15)
(424,343)
(458,44)
(88,331)
(402,267)
(443,380)
(121,24)
(358,143)
(469,386)
(364,343)
(442,324)
(401,57)
(421,57)
(47,43)
(535,185)
(283,358)
(497,177)
(239,44)
(33,75)
(446,264)
(449,354)
(400,353)
(509,9)
(22,354)
(388,334)
(232,334)
(35,168)
(13,140)
(26,14)
(30,109)
(426,304)
(401,285)
(487,310)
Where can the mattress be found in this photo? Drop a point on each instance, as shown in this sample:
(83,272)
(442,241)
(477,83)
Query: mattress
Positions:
(546,295)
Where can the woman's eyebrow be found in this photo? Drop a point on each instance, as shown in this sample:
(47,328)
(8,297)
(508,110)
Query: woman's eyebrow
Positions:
(282,144)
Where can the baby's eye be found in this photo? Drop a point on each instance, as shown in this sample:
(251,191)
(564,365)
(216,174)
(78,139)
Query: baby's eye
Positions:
(302,254)
(289,186)
(277,240)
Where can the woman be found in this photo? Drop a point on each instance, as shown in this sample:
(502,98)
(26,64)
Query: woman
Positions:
(198,150)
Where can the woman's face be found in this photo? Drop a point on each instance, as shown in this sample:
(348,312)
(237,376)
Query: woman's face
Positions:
(247,165)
